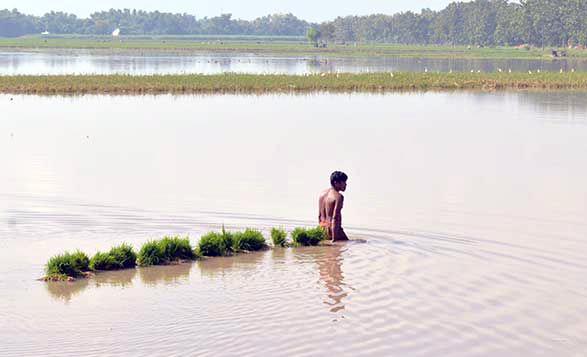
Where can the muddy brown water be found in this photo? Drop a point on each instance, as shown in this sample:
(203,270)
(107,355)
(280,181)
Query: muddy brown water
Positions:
(56,62)
(472,207)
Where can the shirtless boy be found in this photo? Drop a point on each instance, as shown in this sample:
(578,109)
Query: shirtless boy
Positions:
(330,206)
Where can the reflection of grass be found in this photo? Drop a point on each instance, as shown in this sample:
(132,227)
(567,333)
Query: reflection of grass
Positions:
(121,257)
(164,274)
(67,265)
(271,45)
(116,278)
(165,251)
(308,236)
(251,83)
(65,290)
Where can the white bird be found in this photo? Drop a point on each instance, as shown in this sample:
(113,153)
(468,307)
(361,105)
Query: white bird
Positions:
(529,72)
(573,70)
(510,70)
(426,70)
(538,71)
(391,74)
(499,70)
(116,32)
(561,70)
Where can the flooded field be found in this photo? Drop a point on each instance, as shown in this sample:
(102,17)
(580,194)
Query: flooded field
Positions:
(106,62)
(472,206)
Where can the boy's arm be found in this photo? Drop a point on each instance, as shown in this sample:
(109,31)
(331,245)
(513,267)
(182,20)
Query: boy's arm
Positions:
(337,217)
(320,204)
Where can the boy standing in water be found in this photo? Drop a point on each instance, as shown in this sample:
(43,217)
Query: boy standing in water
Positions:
(330,206)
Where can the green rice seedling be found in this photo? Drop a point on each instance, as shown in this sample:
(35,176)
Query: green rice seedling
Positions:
(304,236)
(103,261)
(150,254)
(317,234)
(249,240)
(124,255)
(278,236)
(67,265)
(228,238)
(121,257)
(175,248)
(212,244)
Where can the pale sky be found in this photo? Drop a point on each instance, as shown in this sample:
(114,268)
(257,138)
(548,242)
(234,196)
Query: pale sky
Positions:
(310,10)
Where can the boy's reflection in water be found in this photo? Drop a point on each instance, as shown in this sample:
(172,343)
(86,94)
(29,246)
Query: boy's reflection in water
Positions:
(330,269)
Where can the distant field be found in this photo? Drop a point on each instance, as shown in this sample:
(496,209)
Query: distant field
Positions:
(258,84)
(294,46)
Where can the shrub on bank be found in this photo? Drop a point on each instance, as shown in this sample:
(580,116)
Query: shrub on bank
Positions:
(164,251)
(308,236)
(249,240)
(121,257)
(279,236)
(67,265)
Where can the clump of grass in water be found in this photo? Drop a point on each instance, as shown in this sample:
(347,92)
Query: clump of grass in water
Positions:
(249,240)
(216,244)
(165,251)
(121,257)
(308,236)
(212,244)
(67,265)
(278,236)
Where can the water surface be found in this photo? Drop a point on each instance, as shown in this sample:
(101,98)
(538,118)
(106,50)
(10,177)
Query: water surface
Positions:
(53,62)
(472,206)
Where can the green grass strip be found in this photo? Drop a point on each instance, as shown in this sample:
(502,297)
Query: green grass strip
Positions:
(260,84)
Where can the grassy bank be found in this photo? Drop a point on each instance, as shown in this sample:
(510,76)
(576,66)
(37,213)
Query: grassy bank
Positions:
(257,84)
(293,46)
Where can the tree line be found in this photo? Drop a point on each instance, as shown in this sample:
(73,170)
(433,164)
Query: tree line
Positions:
(479,22)
(138,22)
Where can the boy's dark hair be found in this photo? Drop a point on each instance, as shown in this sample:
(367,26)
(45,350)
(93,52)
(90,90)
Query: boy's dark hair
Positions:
(338,176)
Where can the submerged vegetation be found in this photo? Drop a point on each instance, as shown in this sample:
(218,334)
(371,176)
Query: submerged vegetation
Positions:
(258,84)
(67,265)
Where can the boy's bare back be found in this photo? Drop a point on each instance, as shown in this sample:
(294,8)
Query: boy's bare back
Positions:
(330,206)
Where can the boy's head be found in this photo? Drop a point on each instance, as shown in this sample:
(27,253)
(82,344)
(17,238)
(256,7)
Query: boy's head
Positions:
(338,180)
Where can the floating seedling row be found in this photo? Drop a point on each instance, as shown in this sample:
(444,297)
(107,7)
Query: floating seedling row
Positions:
(69,266)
